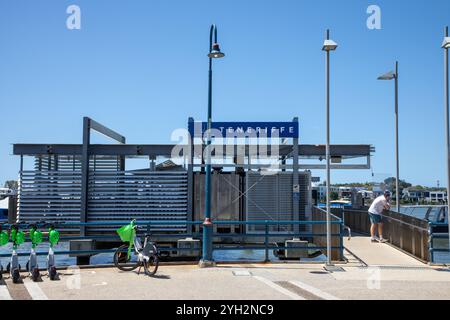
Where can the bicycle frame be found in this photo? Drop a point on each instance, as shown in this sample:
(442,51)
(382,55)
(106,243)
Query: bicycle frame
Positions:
(130,244)
(142,250)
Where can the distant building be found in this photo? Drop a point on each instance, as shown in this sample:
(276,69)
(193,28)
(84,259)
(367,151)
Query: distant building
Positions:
(423,195)
(366,194)
(321,191)
(415,195)
(437,197)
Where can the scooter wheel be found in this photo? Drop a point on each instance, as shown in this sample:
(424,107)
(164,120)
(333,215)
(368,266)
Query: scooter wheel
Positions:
(35,274)
(15,275)
(52,273)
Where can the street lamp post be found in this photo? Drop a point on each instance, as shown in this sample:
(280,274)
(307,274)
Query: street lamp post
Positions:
(207,259)
(329,45)
(446,46)
(394,76)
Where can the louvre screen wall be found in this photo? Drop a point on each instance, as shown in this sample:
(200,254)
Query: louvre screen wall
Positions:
(52,193)
(270,197)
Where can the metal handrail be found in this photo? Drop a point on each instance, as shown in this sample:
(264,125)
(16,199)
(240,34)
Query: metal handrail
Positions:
(264,246)
(394,219)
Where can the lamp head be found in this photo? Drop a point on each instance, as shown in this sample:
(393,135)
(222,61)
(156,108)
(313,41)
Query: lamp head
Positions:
(388,76)
(329,45)
(215,52)
(446,43)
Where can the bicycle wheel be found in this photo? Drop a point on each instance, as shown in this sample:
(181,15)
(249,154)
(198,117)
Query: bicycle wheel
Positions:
(151,266)
(121,260)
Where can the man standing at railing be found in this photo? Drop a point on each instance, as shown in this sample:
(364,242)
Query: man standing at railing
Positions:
(376,216)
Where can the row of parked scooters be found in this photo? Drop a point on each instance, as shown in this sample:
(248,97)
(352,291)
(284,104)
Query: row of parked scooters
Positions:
(18,237)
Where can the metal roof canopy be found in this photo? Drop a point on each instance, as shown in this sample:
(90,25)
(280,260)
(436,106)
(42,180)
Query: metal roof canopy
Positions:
(284,151)
(165,150)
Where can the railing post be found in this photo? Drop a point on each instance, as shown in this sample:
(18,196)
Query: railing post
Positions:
(266,241)
(149,228)
(430,244)
(341,240)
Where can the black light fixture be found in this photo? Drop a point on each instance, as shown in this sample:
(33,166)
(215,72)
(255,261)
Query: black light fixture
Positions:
(215,52)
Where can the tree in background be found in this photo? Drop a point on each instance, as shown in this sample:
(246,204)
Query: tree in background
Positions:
(12,184)
(391,182)
(334,196)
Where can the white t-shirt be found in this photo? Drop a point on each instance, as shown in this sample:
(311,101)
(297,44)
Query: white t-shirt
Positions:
(378,205)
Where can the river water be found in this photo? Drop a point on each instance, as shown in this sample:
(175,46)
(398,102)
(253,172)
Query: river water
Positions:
(107,258)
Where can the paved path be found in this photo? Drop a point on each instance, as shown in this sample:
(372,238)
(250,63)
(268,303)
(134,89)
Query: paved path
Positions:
(377,254)
(263,282)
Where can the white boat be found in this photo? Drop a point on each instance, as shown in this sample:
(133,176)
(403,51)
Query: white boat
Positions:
(4,209)
(342,202)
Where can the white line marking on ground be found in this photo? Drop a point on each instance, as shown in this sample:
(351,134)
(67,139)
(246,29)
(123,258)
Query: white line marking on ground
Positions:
(242,273)
(34,290)
(4,293)
(317,292)
(100,284)
(279,288)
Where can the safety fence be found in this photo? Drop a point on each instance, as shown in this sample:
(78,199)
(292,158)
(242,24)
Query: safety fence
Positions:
(266,241)
(439,243)
(417,237)
(320,233)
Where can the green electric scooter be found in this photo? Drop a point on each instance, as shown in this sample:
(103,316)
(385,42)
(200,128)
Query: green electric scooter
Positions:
(4,239)
(53,239)
(17,238)
(32,264)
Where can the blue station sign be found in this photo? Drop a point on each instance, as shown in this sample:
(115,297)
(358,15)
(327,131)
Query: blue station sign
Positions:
(248,129)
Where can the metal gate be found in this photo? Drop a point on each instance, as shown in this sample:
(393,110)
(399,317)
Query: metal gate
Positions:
(270,197)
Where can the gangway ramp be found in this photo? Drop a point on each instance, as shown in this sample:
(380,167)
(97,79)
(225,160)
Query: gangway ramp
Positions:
(379,254)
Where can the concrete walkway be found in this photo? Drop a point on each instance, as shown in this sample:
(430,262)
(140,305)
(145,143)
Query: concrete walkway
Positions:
(377,254)
(263,282)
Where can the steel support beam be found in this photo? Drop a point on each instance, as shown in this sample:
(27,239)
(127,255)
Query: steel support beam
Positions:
(84,175)
(295,183)
(165,150)
(88,125)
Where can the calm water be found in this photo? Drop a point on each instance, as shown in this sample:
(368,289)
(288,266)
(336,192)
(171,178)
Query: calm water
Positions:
(107,258)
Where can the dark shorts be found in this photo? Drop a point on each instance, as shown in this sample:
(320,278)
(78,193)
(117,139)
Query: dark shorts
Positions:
(375,218)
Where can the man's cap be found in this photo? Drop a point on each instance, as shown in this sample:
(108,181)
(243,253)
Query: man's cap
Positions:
(387,193)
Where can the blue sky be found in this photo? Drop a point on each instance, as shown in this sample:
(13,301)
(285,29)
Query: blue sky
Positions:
(140,67)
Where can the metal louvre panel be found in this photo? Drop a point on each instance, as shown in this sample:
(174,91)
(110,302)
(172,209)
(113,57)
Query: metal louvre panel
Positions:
(52,192)
(269,197)
(285,210)
(52,196)
(305,200)
(142,195)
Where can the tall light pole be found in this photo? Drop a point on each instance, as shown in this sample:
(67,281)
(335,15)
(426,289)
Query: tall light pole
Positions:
(394,76)
(446,46)
(207,259)
(328,45)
